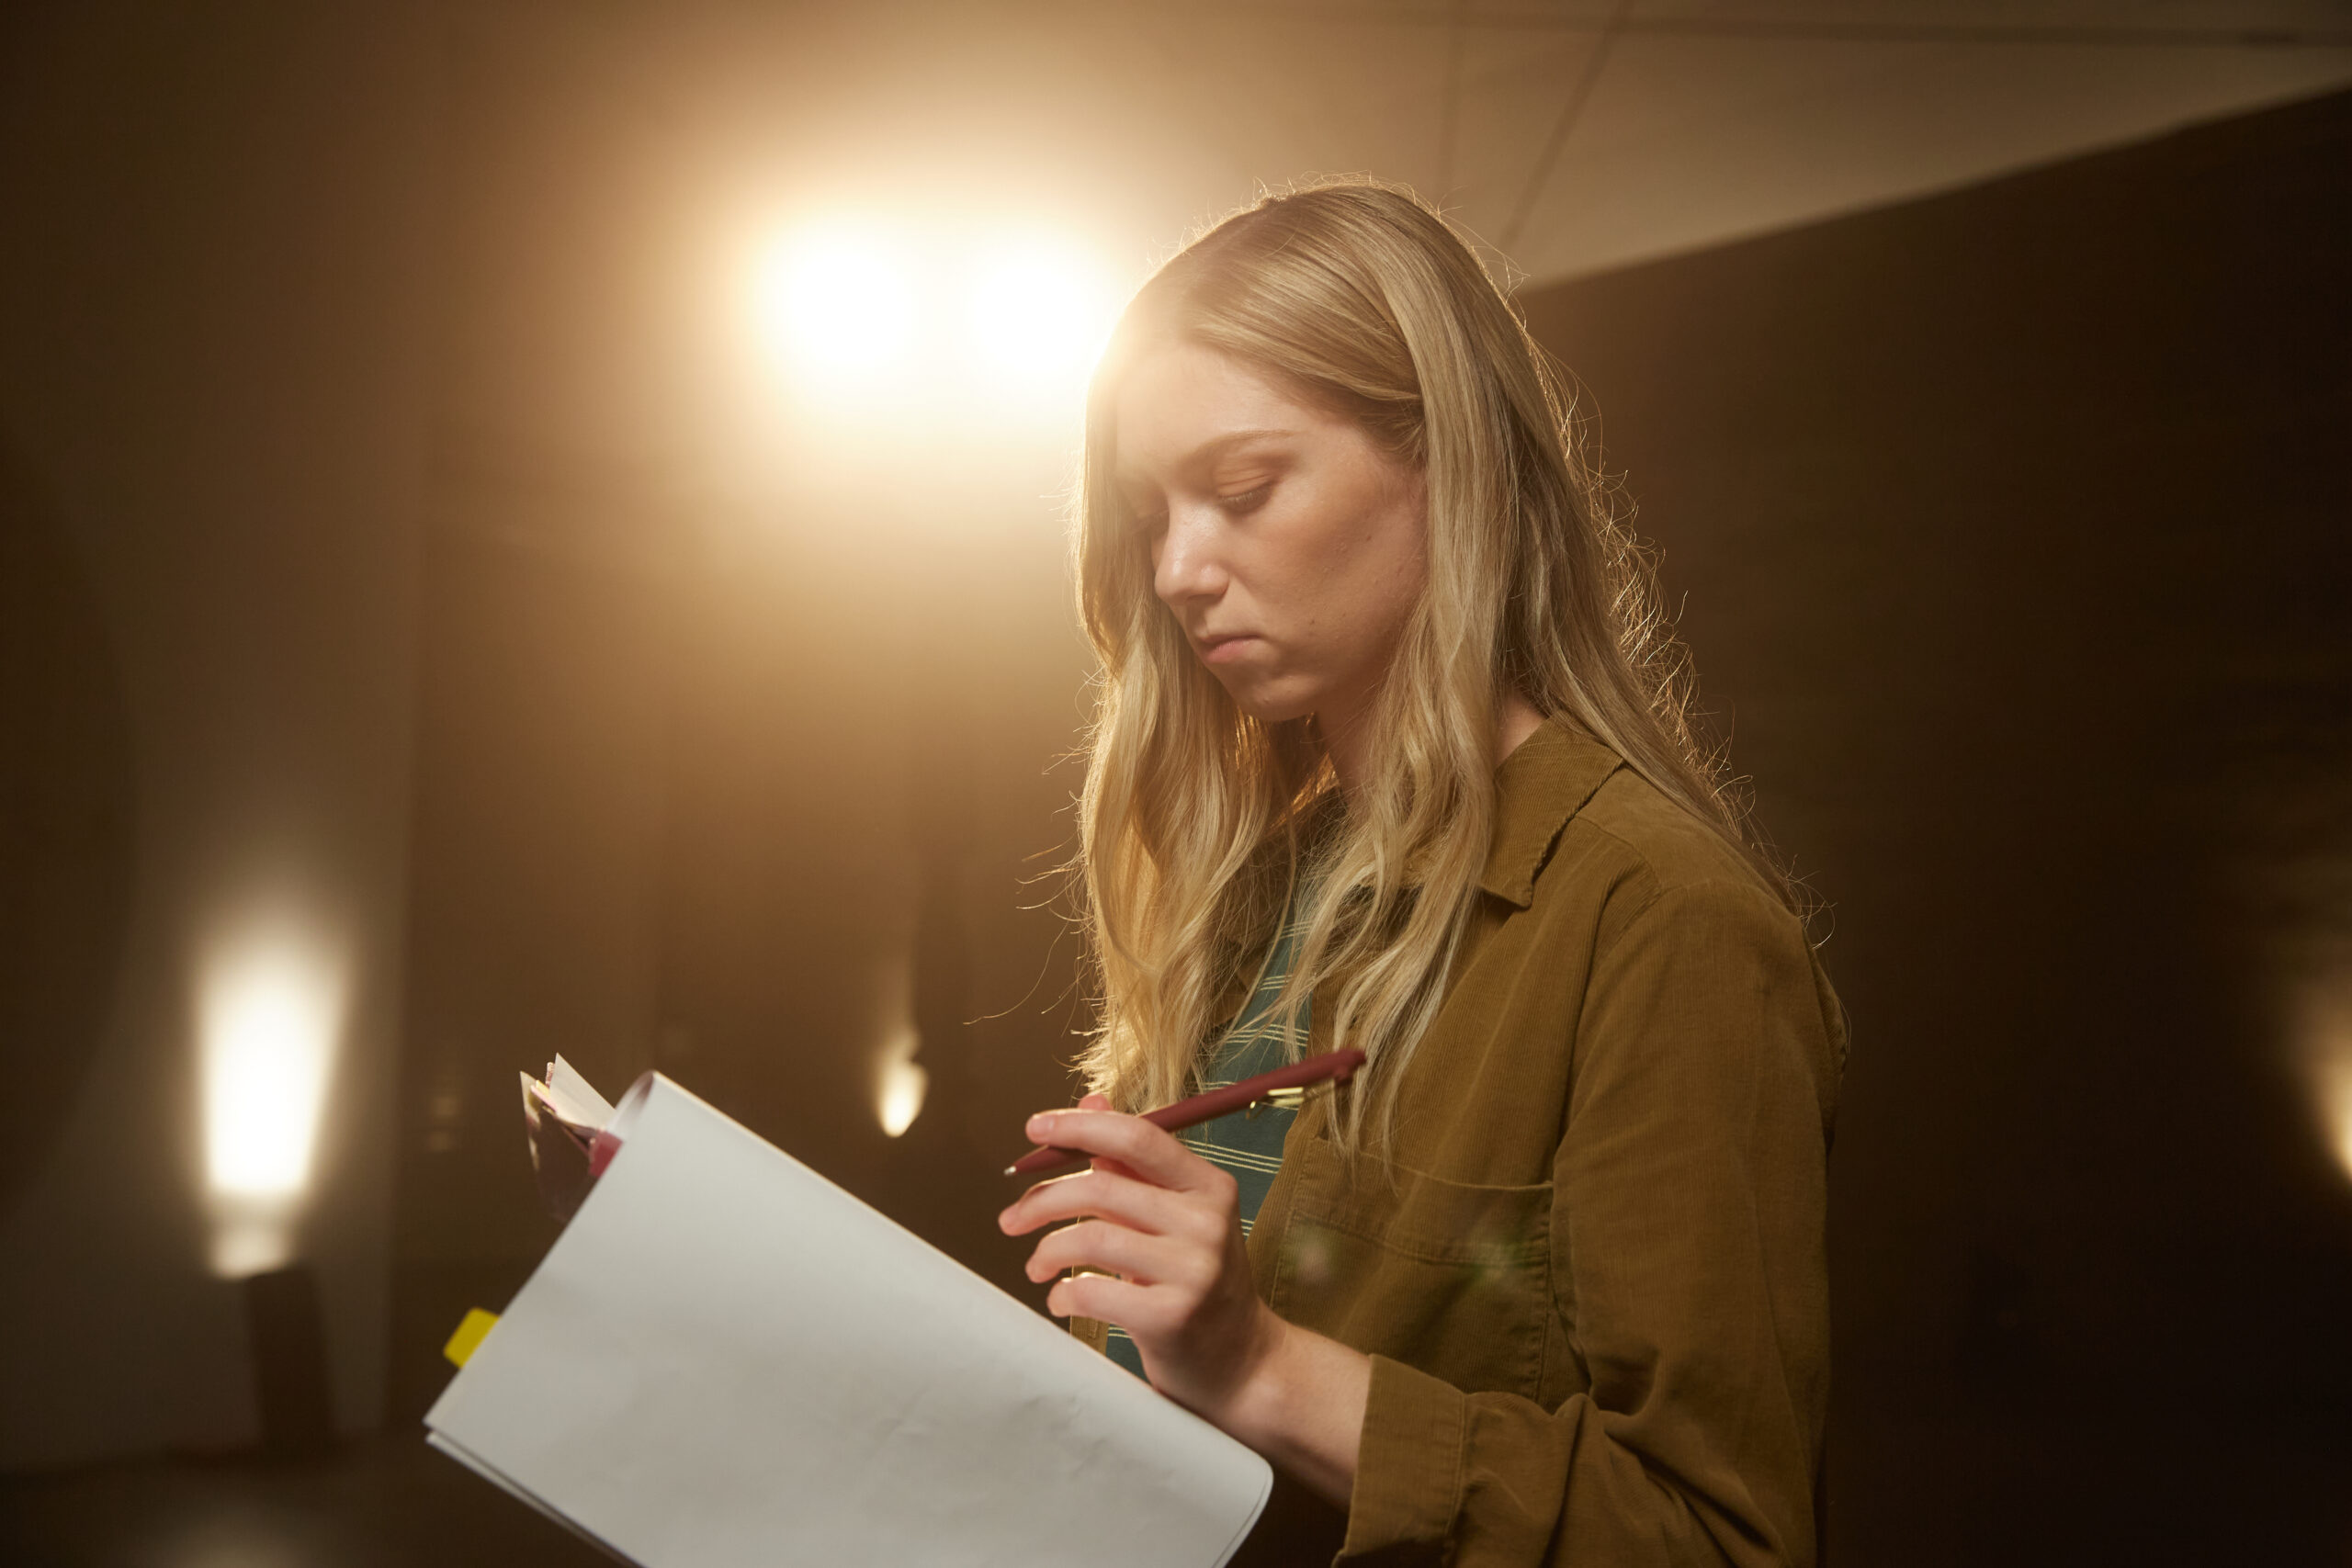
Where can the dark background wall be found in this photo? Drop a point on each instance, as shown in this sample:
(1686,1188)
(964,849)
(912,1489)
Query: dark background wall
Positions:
(213,238)
(2012,534)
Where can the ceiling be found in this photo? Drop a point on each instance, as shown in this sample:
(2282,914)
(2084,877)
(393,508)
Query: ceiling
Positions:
(1585,137)
(1575,137)
(616,165)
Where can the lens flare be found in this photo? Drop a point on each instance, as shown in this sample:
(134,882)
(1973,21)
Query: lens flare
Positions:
(1036,314)
(837,304)
(907,318)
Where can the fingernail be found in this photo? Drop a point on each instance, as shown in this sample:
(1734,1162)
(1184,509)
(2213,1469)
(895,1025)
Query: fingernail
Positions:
(1037,1128)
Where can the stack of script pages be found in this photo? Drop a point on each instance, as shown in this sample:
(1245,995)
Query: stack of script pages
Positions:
(726,1359)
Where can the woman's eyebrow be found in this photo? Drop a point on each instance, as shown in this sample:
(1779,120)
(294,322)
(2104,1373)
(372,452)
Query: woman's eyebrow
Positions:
(1218,447)
(1205,456)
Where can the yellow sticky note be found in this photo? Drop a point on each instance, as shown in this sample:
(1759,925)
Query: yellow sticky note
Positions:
(469,1336)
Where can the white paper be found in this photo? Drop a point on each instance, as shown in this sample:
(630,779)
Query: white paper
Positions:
(726,1360)
(574,1097)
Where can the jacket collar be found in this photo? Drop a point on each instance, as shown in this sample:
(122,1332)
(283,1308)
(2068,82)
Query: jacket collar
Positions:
(1537,789)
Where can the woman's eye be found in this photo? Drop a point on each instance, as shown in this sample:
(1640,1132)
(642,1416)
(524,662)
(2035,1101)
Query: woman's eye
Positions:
(1248,500)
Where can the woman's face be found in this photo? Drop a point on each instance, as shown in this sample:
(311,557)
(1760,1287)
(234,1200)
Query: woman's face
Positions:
(1290,548)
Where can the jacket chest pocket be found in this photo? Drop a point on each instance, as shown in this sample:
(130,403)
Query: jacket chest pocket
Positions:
(1449,1277)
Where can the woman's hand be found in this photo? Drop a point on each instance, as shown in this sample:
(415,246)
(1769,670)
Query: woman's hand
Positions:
(1159,1228)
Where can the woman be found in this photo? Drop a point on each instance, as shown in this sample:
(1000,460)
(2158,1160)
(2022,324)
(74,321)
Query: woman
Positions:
(1391,754)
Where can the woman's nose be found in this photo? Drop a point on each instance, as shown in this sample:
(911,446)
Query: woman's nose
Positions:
(1186,564)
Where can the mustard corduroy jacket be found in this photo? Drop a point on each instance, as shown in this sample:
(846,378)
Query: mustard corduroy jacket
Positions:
(1589,1264)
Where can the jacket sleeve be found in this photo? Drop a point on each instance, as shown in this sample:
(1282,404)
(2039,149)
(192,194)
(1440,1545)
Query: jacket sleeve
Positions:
(1689,1267)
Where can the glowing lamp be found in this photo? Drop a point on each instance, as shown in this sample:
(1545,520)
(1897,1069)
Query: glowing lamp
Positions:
(900,1084)
(270,1016)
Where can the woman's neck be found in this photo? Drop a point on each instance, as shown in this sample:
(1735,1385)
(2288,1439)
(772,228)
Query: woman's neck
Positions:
(1349,746)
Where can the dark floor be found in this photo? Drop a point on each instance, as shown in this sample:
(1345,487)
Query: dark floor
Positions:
(388,1503)
(2074,1494)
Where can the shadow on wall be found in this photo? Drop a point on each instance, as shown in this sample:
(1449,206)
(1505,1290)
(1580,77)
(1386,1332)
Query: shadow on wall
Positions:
(65,826)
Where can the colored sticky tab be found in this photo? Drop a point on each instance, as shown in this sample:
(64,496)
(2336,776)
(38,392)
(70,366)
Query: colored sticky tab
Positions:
(469,1336)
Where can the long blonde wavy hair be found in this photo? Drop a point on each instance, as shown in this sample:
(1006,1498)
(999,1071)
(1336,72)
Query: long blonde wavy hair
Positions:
(1198,820)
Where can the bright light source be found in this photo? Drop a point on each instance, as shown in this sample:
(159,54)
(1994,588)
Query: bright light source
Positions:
(901,1084)
(271,1020)
(270,1014)
(838,304)
(921,325)
(1037,313)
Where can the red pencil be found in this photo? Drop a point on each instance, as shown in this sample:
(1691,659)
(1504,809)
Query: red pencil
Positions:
(1338,1066)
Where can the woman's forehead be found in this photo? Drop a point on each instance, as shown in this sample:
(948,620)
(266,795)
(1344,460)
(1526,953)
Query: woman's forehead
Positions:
(1184,407)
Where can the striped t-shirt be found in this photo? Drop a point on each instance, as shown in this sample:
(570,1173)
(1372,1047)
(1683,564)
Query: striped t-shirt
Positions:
(1248,1143)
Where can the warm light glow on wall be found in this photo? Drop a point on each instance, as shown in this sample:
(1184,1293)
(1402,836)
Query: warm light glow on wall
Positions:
(863,315)
(2335,1104)
(270,1015)
(900,1084)
(2326,1051)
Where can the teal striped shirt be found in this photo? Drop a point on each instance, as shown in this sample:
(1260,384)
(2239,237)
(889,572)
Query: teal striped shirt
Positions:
(1248,1143)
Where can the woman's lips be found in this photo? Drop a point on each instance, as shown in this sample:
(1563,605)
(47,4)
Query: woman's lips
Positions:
(1226,649)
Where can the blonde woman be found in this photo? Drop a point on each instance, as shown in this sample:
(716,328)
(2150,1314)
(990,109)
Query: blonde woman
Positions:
(1391,754)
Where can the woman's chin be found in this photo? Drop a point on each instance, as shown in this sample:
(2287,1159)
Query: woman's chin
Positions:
(1268,702)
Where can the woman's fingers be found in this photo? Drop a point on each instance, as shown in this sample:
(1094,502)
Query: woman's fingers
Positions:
(1099,1295)
(1152,1153)
(1102,1102)
(1109,1248)
(1103,1194)
(1153,1230)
